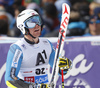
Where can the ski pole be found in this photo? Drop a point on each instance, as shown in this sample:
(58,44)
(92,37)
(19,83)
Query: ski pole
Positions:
(62,78)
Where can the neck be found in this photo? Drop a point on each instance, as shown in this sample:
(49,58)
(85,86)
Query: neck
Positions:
(30,39)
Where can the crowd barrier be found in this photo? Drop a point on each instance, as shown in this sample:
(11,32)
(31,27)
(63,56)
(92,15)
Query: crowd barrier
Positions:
(83,51)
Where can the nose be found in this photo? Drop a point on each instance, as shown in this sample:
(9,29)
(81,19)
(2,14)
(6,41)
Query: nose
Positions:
(36,26)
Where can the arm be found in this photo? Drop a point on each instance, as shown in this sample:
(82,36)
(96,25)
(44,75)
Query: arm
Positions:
(13,64)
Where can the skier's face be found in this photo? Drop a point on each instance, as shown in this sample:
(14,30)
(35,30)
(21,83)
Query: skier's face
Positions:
(36,31)
(34,25)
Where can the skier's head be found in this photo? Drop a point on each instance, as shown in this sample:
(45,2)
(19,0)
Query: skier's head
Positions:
(27,20)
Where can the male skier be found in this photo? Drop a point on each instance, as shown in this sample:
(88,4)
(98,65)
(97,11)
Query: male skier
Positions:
(28,58)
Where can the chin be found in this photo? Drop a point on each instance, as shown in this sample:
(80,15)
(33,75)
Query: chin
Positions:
(37,35)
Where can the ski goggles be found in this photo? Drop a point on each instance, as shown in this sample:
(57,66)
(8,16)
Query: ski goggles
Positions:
(32,21)
(92,22)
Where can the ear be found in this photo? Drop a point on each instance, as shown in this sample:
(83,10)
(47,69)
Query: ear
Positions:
(26,31)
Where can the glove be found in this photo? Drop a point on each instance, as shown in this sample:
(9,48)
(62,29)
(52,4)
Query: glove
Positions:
(32,85)
(42,85)
(65,64)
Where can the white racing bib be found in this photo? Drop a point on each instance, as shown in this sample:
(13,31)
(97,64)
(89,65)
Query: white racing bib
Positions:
(38,74)
(35,61)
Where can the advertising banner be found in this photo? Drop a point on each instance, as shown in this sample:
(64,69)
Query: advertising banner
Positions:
(86,62)
(4,47)
(86,58)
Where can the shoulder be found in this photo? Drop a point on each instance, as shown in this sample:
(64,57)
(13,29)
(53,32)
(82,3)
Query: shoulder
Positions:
(20,41)
(16,45)
(45,41)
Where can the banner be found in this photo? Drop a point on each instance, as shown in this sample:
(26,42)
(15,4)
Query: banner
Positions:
(4,47)
(85,71)
(86,62)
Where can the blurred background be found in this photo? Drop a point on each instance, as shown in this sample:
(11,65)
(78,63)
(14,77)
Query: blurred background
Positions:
(84,17)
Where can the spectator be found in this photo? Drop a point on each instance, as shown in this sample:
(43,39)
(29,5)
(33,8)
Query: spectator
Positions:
(3,28)
(5,15)
(4,22)
(16,4)
(14,32)
(45,2)
(58,4)
(75,1)
(27,2)
(97,10)
(97,1)
(7,4)
(74,16)
(79,12)
(50,18)
(92,6)
(94,25)
(76,29)
(33,6)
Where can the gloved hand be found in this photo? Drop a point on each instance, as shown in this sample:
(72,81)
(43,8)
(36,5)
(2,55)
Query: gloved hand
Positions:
(32,85)
(42,85)
(65,64)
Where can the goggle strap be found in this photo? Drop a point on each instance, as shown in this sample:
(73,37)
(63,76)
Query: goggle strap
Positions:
(28,33)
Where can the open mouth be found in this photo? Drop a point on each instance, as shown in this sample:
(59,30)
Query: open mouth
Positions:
(36,30)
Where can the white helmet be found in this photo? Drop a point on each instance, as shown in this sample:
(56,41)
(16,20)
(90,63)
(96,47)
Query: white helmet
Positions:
(22,17)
